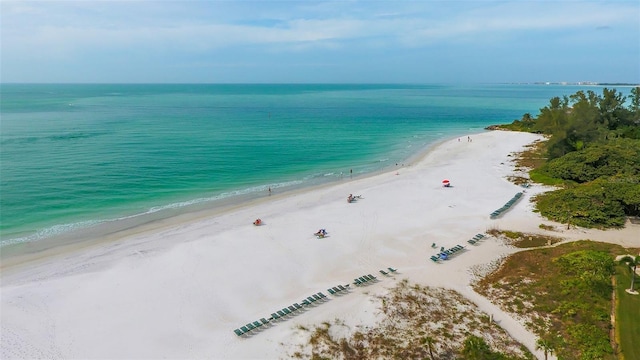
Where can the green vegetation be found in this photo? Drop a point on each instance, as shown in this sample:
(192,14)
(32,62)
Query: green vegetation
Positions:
(633,262)
(546,227)
(476,348)
(564,292)
(415,322)
(627,316)
(593,153)
(523,240)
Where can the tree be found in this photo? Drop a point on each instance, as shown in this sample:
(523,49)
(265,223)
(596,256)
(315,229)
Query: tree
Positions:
(429,341)
(611,107)
(546,346)
(632,262)
(635,104)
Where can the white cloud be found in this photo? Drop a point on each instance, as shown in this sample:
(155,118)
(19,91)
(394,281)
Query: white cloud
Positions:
(80,31)
(113,25)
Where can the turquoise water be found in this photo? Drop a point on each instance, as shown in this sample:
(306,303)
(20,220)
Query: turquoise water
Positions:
(74,156)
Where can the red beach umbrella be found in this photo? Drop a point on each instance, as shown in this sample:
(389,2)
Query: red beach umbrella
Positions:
(445,181)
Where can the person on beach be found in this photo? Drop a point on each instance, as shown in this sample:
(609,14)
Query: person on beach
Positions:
(321,233)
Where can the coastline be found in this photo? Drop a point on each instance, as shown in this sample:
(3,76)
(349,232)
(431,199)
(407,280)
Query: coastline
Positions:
(179,289)
(19,255)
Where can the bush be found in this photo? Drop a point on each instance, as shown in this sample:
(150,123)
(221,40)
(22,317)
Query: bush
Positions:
(620,157)
(588,205)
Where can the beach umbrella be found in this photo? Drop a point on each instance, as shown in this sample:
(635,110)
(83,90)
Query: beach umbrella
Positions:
(445,181)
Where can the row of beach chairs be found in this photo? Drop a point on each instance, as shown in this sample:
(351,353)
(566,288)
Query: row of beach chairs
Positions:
(506,206)
(283,313)
(475,239)
(251,326)
(309,301)
(445,254)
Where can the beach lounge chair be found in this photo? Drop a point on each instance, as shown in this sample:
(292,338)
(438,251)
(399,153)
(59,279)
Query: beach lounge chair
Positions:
(342,288)
(292,308)
(322,296)
(297,306)
(316,297)
(357,281)
(311,299)
(257,324)
(434,258)
(238,332)
(306,302)
(250,326)
(363,279)
(471,241)
(275,316)
(286,311)
(331,291)
(264,321)
(281,313)
(245,329)
(384,272)
(392,269)
(372,278)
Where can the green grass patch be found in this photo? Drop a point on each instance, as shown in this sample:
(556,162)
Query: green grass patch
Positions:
(564,292)
(541,177)
(524,240)
(627,316)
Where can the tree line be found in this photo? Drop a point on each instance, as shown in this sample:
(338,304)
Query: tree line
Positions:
(593,150)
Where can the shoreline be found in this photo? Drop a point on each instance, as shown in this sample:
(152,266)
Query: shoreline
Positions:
(74,230)
(193,282)
(22,254)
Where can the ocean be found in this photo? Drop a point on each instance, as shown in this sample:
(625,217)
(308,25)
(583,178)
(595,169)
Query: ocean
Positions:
(75,156)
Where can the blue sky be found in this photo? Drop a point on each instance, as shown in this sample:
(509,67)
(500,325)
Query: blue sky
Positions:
(353,41)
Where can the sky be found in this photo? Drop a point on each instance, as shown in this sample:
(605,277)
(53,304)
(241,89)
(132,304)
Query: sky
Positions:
(305,41)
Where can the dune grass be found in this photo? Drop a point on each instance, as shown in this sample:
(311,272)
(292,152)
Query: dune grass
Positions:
(523,240)
(415,322)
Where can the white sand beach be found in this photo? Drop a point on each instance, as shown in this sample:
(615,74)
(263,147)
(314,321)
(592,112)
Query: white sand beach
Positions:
(180,290)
